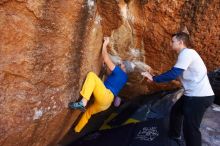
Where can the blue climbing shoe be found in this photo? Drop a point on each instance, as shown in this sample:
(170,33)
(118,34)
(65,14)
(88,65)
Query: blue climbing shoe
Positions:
(77,105)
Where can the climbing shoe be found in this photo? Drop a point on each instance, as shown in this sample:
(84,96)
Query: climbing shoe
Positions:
(77,105)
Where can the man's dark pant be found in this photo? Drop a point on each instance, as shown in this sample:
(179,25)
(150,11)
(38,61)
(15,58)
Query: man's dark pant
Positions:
(189,111)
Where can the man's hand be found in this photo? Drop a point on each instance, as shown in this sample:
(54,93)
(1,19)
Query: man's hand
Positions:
(148,76)
(106,41)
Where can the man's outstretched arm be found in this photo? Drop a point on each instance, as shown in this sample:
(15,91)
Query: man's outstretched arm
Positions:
(170,75)
(165,77)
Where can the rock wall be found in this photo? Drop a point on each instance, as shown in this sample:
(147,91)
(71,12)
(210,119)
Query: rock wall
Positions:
(48,46)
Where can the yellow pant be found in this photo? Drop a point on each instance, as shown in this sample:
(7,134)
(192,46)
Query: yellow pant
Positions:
(103,98)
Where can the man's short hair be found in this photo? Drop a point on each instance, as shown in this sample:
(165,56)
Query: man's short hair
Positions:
(183,37)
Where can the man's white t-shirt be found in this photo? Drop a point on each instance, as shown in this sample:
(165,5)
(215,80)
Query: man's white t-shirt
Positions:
(194,78)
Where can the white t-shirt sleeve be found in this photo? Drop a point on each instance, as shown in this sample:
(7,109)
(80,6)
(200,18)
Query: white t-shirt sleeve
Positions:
(184,59)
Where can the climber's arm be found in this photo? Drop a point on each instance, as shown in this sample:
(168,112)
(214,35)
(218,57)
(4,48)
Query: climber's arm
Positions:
(105,55)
